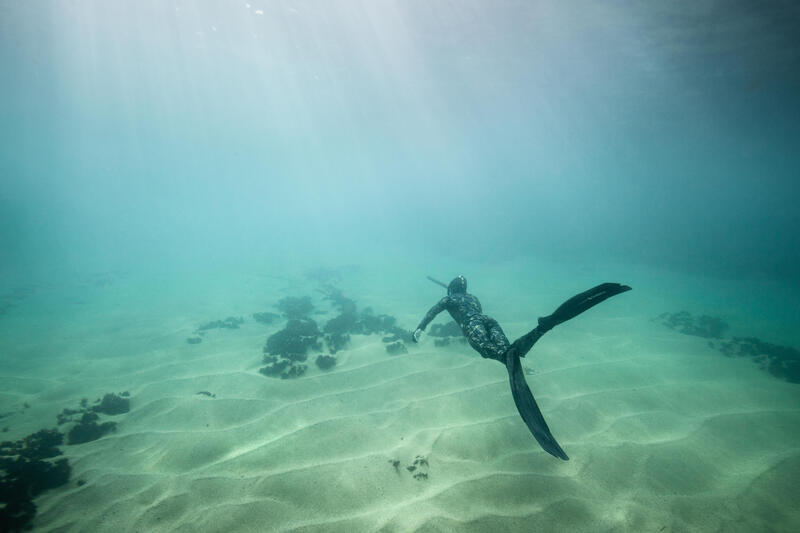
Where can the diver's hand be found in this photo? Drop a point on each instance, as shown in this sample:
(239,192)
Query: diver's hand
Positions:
(417,335)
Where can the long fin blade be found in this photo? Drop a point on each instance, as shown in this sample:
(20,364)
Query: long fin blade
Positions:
(529,410)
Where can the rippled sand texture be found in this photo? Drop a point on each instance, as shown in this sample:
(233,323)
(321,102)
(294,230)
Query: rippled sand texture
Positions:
(664,434)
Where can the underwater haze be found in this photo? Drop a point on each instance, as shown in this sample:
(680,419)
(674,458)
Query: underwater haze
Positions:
(183,183)
(141,132)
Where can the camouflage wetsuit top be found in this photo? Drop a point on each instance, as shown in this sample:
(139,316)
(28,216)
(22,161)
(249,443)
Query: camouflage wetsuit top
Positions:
(482,332)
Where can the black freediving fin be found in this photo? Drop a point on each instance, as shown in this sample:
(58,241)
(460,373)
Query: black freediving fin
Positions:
(528,410)
(581,302)
(523,398)
(569,309)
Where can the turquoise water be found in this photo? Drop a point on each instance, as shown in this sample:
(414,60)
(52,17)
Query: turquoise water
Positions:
(164,165)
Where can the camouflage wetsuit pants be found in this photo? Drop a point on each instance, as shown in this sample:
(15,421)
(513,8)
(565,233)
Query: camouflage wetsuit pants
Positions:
(485,335)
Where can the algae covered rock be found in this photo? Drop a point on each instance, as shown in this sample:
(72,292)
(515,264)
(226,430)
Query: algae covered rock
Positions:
(294,341)
(26,470)
(113,404)
(396,348)
(294,307)
(325,362)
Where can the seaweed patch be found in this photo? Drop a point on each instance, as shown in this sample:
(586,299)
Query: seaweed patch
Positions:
(444,334)
(265,317)
(287,349)
(113,404)
(396,348)
(26,471)
(418,468)
(325,362)
(293,307)
(451,329)
(86,427)
(231,322)
(293,341)
(704,326)
(782,362)
(351,322)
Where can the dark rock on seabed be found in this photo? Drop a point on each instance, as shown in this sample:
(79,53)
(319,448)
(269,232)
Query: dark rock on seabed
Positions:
(396,348)
(231,322)
(265,317)
(87,429)
(325,362)
(294,340)
(783,362)
(294,307)
(704,326)
(286,349)
(113,404)
(451,329)
(27,470)
(350,322)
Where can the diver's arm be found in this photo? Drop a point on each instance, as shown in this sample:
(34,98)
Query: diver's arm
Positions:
(440,306)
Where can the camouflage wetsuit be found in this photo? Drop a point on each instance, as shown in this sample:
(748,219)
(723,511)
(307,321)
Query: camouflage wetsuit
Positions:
(485,335)
(482,332)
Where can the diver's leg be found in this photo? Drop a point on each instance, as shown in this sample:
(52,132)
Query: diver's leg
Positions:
(499,340)
(484,340)
(477,337)
(569,309)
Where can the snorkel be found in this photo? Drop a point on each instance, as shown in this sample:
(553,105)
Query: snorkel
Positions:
(436,281)
(458,285)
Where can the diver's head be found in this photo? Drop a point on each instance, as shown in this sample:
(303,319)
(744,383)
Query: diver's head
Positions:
(458,285)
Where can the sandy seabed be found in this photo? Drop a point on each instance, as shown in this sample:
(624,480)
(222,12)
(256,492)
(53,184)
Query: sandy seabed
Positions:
(664,433)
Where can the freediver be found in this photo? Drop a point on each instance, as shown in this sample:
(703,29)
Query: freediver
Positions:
(485,335)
